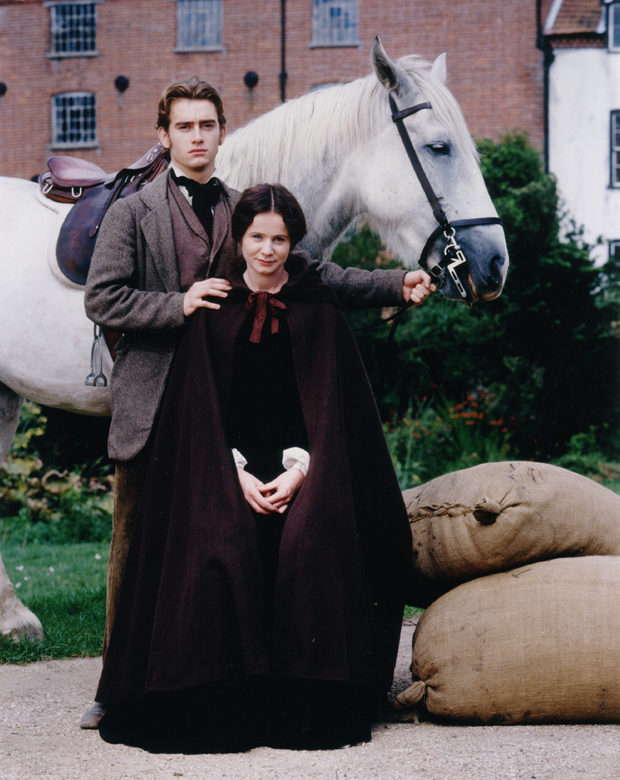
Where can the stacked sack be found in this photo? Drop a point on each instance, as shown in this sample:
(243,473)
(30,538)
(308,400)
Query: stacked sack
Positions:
(518,562)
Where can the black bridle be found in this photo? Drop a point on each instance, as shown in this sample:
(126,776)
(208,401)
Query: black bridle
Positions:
(453,259)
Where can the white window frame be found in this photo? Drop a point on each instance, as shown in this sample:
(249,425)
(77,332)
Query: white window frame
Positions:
(613,26)
(68,17)
(614,246)
(335,23)
(80,125)
(199,25)
(614,150)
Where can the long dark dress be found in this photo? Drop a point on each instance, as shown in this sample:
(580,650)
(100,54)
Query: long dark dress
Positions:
(230,635)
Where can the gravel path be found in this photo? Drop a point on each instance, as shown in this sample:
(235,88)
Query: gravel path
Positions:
(41,704)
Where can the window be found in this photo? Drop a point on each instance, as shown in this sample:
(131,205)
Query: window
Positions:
(74,120)
(73,29)
(615,148)
(199,25)
(613,27)
(334,23)
(614,250)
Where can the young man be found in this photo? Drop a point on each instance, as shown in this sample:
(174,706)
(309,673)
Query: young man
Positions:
(160,256)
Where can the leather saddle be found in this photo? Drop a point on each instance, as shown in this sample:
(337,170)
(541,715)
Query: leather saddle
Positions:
(72,180)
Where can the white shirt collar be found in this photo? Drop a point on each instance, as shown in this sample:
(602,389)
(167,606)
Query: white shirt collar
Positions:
(184,190)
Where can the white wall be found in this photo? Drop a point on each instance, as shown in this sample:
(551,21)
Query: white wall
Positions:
(584,87)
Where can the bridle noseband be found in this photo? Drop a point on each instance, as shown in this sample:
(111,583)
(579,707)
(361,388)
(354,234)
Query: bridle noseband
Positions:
(453,259)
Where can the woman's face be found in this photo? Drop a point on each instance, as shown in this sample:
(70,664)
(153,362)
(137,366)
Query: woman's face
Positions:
(265,245)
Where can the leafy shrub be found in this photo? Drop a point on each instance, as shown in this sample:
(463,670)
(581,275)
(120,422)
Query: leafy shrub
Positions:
(47,505)
(547,350)
(446,437)
(585,458)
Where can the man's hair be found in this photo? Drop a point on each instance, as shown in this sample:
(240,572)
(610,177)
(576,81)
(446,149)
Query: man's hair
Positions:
(266,198)
(189,89)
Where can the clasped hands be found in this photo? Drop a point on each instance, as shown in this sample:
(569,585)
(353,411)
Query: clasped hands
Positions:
(274,496)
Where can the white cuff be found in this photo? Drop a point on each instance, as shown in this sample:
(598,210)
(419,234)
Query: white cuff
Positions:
(240,461)
(296,458)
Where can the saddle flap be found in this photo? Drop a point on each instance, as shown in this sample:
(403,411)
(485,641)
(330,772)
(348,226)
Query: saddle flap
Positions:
(75,172)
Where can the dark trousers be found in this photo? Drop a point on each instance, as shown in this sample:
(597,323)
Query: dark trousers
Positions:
(128,484)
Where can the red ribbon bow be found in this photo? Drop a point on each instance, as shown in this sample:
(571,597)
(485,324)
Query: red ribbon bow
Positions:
(260,301)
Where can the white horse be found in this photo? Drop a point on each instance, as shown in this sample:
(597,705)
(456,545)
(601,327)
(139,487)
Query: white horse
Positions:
(339,152)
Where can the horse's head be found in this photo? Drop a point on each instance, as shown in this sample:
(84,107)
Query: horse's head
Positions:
(395,195)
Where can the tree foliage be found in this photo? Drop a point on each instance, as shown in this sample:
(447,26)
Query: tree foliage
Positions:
(544,357)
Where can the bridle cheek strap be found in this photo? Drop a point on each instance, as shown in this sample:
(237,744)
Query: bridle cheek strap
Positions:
(397,118)
(453,258)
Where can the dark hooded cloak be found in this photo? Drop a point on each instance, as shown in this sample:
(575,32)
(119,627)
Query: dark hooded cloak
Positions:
(189,611)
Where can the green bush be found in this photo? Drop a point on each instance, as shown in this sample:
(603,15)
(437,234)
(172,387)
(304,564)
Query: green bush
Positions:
(585,458)
(547,351)
(41,503)
(446,437)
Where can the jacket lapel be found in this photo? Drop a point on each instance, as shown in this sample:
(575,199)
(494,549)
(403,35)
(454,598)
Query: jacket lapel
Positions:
(157,231)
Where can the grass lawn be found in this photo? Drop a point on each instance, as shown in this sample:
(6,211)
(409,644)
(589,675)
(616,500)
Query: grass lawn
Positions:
(64,585)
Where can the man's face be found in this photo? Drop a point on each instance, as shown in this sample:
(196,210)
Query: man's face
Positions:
(193,137)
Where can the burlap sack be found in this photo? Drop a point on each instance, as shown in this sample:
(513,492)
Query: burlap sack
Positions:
(540,644)
(497,516)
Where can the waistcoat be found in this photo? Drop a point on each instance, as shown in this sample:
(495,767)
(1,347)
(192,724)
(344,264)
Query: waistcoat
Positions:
(197,256)
(190,240)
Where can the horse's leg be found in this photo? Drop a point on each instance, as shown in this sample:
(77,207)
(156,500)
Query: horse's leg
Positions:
(15,619)
(10,407)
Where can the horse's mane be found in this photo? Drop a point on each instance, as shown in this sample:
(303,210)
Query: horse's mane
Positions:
(326,121)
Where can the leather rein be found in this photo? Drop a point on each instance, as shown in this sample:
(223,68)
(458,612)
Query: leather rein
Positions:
(453,259)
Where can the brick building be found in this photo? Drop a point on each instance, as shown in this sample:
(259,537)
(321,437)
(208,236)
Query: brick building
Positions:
(60,64)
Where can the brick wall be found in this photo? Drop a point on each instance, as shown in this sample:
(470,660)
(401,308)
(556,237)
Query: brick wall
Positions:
(494,68)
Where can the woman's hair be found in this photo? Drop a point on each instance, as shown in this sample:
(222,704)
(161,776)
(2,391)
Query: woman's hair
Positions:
(266,198)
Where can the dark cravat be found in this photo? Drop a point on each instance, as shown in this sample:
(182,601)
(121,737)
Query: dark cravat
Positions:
(204,197)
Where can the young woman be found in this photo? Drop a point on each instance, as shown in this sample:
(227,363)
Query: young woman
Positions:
(266,579)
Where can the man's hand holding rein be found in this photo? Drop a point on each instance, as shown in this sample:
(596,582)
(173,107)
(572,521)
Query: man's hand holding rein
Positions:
(417,286)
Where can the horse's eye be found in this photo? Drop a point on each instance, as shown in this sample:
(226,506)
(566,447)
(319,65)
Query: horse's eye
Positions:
(440,148)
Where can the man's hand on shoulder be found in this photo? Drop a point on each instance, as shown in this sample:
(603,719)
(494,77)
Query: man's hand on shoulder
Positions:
(194,297)
(417,286)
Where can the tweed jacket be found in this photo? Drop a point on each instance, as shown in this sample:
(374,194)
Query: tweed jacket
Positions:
(133,287)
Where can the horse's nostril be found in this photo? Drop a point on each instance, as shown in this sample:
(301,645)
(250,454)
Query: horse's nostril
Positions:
(494,275)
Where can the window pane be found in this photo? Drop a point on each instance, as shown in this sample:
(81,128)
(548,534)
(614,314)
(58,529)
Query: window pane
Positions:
(74,120)
(334,21)
(73,28)
(614,26)
(199,24)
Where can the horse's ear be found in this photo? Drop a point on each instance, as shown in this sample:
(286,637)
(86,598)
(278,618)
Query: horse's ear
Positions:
(391,75)
(439,70)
